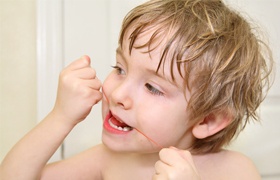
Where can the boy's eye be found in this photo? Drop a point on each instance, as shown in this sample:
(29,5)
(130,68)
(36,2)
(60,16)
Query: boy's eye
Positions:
(119,70)
(153,90)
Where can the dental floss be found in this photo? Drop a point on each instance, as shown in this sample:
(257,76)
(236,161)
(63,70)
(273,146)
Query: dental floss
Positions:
(151,140)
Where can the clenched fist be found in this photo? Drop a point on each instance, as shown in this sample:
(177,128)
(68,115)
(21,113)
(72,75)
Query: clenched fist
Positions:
(175,164)
(78,91)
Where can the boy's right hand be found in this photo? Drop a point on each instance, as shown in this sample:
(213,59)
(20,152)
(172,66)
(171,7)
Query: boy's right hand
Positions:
(78,91)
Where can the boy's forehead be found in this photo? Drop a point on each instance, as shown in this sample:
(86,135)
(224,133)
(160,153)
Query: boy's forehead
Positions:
(146,38)
(144,43)
(152,47)
(151,40)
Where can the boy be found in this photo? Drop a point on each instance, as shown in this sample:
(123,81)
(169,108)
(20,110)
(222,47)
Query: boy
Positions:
(189,74)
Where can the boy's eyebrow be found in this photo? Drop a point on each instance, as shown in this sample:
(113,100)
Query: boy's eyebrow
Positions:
(120,52)
(161,76)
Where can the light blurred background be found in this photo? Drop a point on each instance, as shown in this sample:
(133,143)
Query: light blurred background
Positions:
(39,37)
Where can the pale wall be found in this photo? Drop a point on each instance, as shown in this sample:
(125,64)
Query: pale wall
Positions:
(17,71)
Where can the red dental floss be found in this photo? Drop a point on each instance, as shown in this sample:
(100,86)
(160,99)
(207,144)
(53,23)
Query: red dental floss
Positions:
(151,140)
(155,143)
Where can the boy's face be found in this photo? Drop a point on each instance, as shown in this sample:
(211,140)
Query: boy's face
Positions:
(145,100)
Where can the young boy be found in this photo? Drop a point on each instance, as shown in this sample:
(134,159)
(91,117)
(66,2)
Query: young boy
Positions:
(189,74)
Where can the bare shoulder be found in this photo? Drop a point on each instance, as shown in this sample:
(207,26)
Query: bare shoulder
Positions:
(86,165)
(239,165)
(227,164)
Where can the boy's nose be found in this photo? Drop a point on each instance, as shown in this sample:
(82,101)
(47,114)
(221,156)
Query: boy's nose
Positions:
(121,96)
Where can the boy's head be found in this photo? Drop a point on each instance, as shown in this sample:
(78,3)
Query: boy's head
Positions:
(221,60)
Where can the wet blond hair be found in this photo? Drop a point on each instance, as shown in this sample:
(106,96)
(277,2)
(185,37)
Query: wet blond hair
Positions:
(225,65)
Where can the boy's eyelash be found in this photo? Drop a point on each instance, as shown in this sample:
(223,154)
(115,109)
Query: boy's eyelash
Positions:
(119,70)
(150,88)
(153,90)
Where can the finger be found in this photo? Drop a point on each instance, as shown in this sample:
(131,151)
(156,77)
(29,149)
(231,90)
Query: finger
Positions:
(82,62)
(187,157)
(159,177)
(79,78)
(161,167)
(184,154)
(94,98)
(169,156)
(97,96)
(91,96)
(84,73)
(176,158)
(165,171)
(94,84)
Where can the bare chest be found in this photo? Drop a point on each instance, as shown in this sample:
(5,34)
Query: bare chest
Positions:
(125,172)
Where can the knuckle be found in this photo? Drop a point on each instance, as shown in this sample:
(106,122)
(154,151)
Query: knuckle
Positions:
(84,60)
(93,72)
(99,96)
(157,164)
(85,92)
(65,77)
(99,84)
(95,99)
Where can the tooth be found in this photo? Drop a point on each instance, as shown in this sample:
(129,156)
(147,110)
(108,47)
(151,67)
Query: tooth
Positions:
(119,128)
(126,128)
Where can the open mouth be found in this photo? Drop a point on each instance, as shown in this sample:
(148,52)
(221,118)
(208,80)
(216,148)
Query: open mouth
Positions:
(114,125)
(117,124)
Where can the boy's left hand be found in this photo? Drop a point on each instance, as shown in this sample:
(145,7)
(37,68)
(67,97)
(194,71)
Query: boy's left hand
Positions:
(175,164)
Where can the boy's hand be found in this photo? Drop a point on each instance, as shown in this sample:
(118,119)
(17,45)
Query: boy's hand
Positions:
(78,91)
(175,164)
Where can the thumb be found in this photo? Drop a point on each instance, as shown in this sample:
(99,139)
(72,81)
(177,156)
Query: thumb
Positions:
(184,154)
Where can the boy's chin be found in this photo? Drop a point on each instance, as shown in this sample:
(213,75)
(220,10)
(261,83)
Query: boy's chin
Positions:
(130,149)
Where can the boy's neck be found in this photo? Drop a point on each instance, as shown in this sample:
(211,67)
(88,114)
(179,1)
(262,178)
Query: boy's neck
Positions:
(138,165)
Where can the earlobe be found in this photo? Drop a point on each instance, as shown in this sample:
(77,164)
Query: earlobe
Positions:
(211,124)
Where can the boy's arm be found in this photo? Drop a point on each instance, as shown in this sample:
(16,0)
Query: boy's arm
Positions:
(78,91)
(85,165)
(29,156)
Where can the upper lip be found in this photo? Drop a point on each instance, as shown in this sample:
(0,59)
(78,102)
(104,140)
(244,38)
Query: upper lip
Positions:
(118,118)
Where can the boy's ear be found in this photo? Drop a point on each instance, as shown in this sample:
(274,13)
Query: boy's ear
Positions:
(211,124)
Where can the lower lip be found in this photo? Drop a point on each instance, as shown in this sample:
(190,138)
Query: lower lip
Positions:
(109,128)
